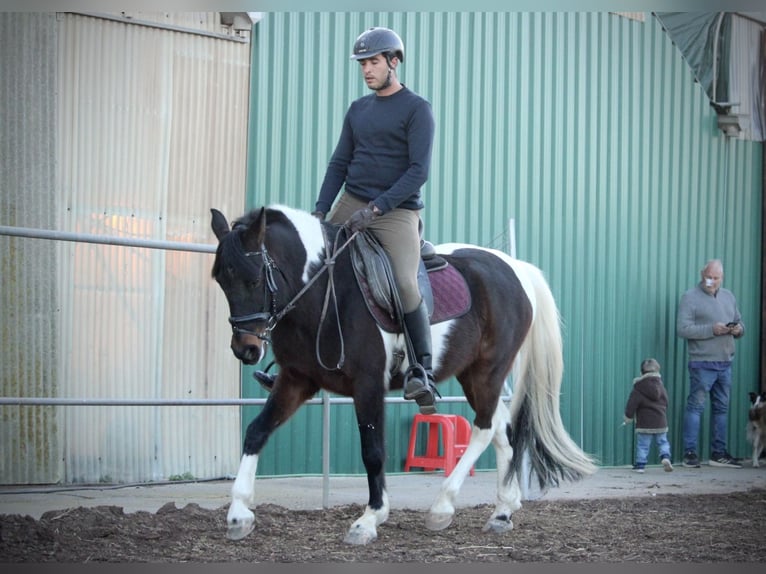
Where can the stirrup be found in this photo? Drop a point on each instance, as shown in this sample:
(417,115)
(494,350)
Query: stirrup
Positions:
(422,393)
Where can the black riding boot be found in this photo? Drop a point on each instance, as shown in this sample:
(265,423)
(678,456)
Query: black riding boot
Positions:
(265,379)
(419,378)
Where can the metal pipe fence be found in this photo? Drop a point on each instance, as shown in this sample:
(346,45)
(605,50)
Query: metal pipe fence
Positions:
(105,239)
(45,401)
(326,400)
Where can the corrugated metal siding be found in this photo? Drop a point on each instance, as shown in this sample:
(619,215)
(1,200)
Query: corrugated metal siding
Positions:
(30,438)
(204,21)
(746,84)
(151,130)
(585,129)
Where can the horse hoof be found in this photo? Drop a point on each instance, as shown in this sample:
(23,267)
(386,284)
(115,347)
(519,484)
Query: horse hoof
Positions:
(438,521)
(241,526)
(239,531)
(498,525)
(358,536)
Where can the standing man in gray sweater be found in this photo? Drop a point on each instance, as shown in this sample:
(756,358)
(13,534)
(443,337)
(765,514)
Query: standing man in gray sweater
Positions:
(708,318)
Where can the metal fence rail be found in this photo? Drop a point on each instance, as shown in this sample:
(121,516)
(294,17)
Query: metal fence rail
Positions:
(325,400)
(106,239)
(45,401)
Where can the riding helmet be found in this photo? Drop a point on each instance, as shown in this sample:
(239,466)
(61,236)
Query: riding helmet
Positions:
(378,41)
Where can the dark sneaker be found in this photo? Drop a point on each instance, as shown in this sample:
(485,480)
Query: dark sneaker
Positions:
(639,468)
(265,379)
(691,460)
(418,387)
(667,465)
(724,459)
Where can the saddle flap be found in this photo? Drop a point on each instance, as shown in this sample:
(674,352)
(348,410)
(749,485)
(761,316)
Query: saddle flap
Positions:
(442,287)
(370,268)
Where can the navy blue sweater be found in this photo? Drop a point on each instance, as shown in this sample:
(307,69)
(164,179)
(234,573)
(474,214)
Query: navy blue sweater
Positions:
(383,153)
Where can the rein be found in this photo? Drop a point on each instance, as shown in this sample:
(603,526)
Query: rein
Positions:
(273,316)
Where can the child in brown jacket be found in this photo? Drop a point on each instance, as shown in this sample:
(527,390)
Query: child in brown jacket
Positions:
(648,405)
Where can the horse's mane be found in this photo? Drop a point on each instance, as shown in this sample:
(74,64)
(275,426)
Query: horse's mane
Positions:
(273,215)
(282,223)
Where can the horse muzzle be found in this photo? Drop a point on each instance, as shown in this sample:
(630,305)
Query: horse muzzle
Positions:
(248,346)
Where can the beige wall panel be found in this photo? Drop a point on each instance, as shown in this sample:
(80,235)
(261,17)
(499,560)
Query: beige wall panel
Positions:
(119,129)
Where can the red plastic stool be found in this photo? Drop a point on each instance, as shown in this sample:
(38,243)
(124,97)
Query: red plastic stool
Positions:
(455,432)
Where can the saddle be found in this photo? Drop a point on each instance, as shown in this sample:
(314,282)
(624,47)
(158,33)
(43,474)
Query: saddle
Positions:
(442,287)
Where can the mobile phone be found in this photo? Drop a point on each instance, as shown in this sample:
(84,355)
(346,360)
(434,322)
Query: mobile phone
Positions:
(732,324)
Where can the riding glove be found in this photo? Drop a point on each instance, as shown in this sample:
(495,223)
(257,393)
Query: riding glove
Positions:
(361,218)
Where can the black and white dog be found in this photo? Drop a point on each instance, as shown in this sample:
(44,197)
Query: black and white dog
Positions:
(756,425)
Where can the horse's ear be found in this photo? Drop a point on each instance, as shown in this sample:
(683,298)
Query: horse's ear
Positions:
(256,232)
(261,224)
(219,224)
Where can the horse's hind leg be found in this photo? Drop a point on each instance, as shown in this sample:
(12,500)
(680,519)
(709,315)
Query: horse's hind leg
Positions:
(442,511)
(508,493)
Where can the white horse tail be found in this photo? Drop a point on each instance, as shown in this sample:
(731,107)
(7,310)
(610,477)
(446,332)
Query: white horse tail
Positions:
(536,425)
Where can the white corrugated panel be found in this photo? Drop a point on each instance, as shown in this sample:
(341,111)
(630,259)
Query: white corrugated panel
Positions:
(152,135)
(150,132)
(236,25)
(206,21)
(746,77)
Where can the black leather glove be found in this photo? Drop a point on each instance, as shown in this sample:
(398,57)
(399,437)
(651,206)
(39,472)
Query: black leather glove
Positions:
(361,218)
(319,215)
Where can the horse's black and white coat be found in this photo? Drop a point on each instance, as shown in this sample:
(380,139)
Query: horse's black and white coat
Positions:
(271,266)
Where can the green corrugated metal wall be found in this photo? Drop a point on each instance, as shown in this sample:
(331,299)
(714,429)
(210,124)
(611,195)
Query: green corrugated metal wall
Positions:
(588,132)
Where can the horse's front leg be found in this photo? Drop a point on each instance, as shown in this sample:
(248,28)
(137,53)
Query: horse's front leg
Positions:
(280,405)
(370,416)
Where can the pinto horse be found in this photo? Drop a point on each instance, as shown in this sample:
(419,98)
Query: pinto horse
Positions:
(289,281)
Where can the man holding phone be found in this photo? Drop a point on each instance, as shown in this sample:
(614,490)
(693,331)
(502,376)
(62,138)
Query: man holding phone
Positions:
(708,318)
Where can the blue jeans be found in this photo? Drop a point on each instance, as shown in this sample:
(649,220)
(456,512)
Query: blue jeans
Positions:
(644,441)
(717,383)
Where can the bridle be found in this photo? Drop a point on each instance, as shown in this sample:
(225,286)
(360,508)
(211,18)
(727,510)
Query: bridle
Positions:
(269,290)
(272,316)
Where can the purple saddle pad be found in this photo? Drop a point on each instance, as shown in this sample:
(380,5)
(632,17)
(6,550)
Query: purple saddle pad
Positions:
(451,299)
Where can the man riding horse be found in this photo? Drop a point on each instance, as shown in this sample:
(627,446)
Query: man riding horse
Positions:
(383,156)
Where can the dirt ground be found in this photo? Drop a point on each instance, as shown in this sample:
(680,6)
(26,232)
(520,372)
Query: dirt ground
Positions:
(662,528)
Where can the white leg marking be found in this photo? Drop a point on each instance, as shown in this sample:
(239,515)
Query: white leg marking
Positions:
(508,496)
(364,529)
(442,511)
(757,443)
(240,519)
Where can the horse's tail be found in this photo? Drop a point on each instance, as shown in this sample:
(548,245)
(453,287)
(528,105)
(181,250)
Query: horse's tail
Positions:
(536,425)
